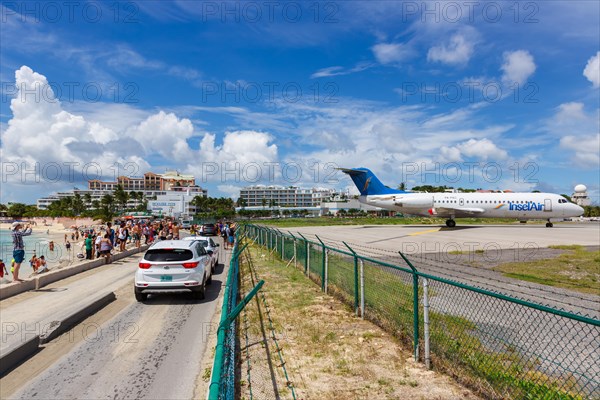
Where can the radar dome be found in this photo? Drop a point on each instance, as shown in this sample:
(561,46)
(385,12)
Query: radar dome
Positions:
(580,188)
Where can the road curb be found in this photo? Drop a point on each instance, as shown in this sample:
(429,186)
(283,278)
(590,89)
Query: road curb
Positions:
(18,354)
(14,356)
(78,316)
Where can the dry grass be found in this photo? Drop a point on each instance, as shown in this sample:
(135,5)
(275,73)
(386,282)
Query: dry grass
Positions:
(329,352)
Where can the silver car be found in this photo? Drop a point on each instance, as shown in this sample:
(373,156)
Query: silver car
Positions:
(173,265)
(211,247)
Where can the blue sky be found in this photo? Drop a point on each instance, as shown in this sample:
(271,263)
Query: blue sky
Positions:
(498,95)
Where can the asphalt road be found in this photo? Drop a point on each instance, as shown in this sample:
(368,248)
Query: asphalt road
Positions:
(150,350)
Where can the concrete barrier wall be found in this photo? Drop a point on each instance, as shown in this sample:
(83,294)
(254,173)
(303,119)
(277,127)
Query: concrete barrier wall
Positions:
(54,275)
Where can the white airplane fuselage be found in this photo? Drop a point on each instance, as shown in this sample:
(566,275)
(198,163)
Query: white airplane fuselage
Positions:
(521,206)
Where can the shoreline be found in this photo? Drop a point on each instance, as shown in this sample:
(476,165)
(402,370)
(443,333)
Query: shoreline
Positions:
(39,242)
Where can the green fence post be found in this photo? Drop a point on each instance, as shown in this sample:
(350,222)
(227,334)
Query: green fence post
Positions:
(306,256)
(295,252)
(355,277)
(323,266)
(282,235)
(415,305)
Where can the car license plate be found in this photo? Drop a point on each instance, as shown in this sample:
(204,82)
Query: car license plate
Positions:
(166,278)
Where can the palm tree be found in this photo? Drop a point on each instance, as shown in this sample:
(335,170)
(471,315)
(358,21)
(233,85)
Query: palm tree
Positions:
(87,198)
(121,196)
(77,203)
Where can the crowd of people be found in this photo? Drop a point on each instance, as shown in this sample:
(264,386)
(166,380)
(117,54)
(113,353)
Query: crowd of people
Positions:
(224,229)
(103,240)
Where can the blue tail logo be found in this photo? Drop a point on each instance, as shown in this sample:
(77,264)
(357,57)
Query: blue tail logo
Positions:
(367,183)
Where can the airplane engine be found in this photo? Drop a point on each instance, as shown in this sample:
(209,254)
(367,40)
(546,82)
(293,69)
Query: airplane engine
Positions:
(415,201)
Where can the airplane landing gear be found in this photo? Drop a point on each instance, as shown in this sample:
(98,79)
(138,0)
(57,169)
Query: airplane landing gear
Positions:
(450,223)
(549,224)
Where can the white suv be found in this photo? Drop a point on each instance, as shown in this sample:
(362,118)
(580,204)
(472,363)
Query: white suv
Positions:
(173,265)
(211,247)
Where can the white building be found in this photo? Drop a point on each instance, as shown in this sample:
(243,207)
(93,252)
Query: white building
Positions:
(581,197)
(174,204)
(290,196)
(334,207)
(43,203)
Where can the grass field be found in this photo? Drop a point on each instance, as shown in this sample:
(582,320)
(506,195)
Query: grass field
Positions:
(577,269)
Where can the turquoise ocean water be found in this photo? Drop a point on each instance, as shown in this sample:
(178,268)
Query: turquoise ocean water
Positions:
(38,242)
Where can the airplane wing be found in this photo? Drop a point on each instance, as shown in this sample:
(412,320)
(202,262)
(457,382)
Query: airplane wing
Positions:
(457,210)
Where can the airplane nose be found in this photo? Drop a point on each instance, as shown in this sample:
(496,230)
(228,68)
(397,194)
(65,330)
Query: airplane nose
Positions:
(577,210)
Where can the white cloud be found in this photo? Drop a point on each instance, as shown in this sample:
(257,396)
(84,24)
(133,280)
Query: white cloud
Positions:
(391,53)
(450,154)
(231,191)
(457,51)
(585,148)
(483,149)
(592,70)
(518,66)
(337,70)
(40,132)
(164,134)
(567,112)
(241,152)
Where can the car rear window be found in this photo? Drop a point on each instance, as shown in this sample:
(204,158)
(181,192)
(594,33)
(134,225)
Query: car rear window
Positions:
(168,255)
(204,243)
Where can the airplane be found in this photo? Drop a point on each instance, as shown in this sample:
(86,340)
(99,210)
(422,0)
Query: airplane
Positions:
(522,206)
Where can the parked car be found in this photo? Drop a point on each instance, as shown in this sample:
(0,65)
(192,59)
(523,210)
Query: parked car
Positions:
(211,247)
(208,229)
(186,224)
(176,266)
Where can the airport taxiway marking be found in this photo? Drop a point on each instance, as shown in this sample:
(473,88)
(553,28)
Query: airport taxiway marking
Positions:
(424,232)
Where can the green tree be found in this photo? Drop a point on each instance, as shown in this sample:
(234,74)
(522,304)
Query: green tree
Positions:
(16,210)
(77,204)
(107,211)
(87,198)
(121,197)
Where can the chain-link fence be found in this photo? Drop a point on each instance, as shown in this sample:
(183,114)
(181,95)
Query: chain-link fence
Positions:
(501,346)
(223,380)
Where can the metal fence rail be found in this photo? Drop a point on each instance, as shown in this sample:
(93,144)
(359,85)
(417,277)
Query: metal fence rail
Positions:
(222,384)
(501,346)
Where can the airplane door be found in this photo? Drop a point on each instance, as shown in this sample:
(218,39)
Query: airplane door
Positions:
(461,202)
(547,205)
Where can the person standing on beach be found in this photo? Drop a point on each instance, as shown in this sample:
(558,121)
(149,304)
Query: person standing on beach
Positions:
(19,247)
(89,244)
(105,248)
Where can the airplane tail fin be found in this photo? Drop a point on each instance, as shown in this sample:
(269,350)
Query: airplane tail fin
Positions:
(367,183)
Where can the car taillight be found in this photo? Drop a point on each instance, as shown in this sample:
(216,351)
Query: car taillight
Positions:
(190,264)
(144,265)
